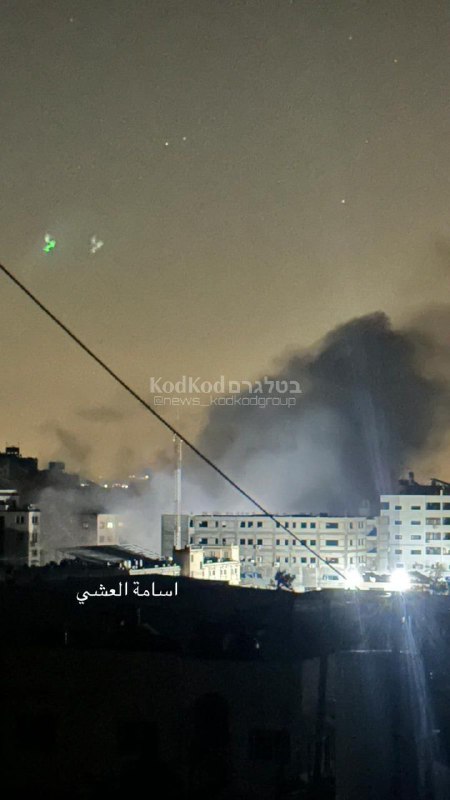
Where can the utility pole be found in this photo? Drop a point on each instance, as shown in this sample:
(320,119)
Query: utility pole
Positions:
(178,444)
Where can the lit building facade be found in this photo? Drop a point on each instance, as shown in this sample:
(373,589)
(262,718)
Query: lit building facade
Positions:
(265,547)
(211,562)
(417,531)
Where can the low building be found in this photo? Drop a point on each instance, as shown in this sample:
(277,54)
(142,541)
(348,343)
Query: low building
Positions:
(210,563)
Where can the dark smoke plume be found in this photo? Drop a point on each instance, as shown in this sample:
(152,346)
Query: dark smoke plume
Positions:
(71,447)
(368,409)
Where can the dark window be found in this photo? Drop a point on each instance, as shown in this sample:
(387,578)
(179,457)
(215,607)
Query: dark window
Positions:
(242,524)
(294,524)
(313,524)
(331,542)
(286,542)
(259,541)
(415,522)
(312,542)
(203,541)
(249,541)
(433,506)
(278,542)
(241,541)
(398,508)
(415,508)
(333,525)
(398,552)
(303,560)
(433,551)
(269,745)
(416,552)
(416,536)
(259,524)
(250,525)
(384,506)
(313,560)
(333,560)
(303,525)
(203,523)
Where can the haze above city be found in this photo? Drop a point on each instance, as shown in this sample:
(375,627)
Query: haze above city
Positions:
(258,173)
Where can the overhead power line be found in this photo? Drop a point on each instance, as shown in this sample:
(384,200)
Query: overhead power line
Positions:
(161,419)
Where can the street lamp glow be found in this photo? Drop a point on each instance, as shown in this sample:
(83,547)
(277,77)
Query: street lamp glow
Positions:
(354,578)
(400,581)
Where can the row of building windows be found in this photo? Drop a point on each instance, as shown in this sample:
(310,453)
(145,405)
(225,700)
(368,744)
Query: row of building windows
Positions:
(278,542)
(205,523)
(431,506)
(429,551)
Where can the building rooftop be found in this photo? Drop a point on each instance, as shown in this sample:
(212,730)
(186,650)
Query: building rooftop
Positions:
(410,486)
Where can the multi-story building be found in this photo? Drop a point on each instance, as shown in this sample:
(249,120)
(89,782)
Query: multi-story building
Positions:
(416,527)
(98,528)
(265,547)
(20,543)
(15,467)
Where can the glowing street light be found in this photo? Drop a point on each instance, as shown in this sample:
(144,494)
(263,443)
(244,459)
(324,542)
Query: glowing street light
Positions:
(354,578)
(400,581)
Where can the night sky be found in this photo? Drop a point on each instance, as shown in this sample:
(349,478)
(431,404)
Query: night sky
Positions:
(259,172)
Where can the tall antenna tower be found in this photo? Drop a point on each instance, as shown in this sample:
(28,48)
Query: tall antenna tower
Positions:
(178,445)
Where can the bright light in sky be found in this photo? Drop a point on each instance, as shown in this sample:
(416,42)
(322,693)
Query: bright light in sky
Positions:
(50,243)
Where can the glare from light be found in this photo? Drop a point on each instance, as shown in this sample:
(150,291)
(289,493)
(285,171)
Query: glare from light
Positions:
(354,578)
(400,581)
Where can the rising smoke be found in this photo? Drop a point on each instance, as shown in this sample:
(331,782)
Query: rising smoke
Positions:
(368,411)
(374,402)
